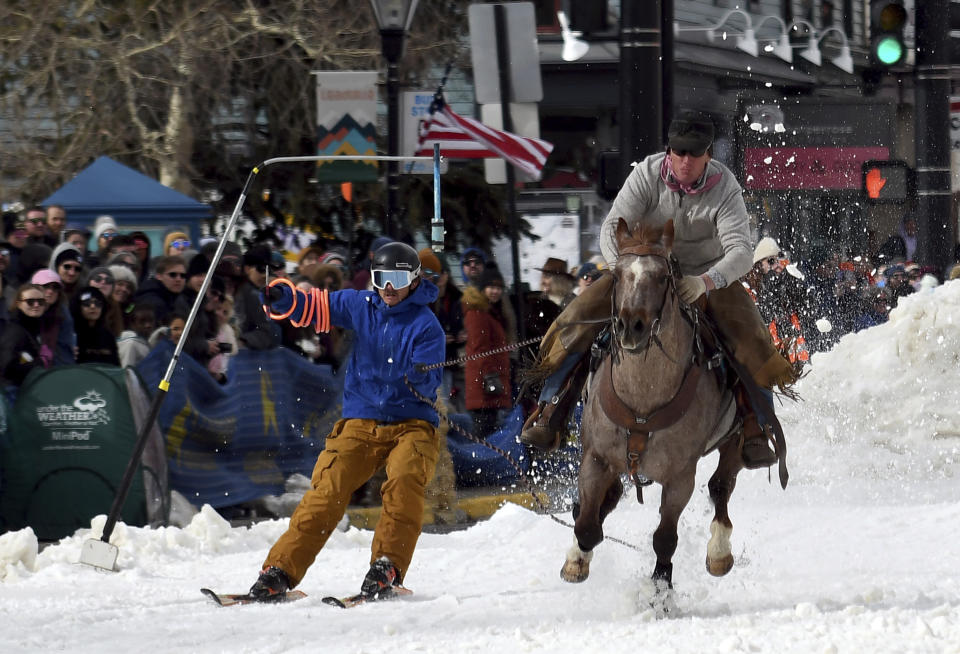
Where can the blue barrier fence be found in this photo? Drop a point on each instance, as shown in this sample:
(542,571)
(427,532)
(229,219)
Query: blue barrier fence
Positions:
(235,442)
(232,443)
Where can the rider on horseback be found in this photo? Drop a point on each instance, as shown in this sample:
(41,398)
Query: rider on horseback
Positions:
(714,249)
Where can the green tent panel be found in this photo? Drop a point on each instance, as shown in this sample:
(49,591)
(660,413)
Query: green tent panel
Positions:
(69,437)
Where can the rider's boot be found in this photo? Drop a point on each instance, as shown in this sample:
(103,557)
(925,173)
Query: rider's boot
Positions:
(755,451)
(546,427)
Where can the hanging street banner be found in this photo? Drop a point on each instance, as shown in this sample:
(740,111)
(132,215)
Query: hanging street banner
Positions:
(346,125)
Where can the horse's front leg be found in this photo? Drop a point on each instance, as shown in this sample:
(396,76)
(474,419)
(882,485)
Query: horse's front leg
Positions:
(721,485)
(676,495)
(599,491)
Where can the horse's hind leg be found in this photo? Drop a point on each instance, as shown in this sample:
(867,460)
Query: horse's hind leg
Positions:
(721,485)
(600,490)
(676,494)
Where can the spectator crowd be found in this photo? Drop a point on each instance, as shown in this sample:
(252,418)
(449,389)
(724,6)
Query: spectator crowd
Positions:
(73,295)
(810,303)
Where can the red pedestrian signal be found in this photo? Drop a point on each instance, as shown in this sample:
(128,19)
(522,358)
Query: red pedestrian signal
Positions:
(875,182)
(887,181)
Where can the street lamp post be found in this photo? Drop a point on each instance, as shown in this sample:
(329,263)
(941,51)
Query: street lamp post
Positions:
(393,20)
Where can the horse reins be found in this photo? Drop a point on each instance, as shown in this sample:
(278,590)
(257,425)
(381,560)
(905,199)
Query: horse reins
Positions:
(640,428)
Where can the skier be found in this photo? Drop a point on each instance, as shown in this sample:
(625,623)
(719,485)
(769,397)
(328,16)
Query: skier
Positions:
(383,421)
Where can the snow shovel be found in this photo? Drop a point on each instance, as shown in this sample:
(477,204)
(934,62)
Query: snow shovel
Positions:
(101,553)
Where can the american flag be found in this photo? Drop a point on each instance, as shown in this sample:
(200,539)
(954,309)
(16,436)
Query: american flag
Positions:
(465,138)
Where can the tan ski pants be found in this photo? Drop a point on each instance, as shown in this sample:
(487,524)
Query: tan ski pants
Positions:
(354,451)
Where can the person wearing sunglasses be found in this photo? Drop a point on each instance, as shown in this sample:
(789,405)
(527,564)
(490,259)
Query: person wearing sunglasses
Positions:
(95,343)
(57,330)
(163,289)
(254,330)
(35,221)
(780,299)
(383,422)
(472,264)
(104,230)
(102,279)
(201,342)
(20,342)
(176,243)
(67,262)
(712,246)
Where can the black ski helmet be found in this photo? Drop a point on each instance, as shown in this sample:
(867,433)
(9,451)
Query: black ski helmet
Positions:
(397,256)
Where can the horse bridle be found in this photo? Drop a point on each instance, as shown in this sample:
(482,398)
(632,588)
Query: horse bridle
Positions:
(653,330)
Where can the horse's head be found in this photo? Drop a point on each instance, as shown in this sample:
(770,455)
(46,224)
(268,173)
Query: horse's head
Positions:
(644,276)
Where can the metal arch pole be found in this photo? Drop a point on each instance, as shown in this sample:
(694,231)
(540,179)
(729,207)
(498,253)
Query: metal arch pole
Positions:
(100,553)
(437,236)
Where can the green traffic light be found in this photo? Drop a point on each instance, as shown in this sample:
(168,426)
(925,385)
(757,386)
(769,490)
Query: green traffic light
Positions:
(889,51)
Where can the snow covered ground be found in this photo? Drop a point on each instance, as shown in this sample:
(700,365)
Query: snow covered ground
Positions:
(859,554)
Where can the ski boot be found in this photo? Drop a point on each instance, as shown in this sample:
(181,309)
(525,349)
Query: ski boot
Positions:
(381,580)
(272,585)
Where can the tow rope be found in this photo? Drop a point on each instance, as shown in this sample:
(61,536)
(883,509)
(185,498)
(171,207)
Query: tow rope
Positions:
(522,476)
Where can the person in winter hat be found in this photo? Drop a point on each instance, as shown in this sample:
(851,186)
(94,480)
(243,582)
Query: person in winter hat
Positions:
(388,419)
(104,230)
(176,242)
(56,324)
(67,262)
(473,262)
(713,247)
(102,279)
(95,343)
(124,288)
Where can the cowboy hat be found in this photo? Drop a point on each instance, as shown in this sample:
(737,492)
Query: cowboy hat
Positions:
(555,266)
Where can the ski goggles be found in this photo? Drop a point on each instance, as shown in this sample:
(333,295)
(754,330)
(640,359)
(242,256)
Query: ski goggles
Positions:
(396,278)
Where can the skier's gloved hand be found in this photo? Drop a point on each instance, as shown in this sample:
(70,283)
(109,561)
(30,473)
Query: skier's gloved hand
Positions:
(690,287)
(277,298)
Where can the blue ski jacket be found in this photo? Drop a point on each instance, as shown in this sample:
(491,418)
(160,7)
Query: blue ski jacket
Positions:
(390,342)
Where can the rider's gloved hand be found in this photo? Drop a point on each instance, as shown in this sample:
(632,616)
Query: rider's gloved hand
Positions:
(690,287)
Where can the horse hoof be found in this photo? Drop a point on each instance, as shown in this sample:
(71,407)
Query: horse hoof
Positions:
(575,572)
(721,566)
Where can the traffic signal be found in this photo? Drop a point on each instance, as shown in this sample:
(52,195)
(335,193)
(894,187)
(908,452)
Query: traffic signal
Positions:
(887,20)
(887,181)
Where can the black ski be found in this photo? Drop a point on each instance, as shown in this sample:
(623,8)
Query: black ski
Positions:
(226,599)
(391,593)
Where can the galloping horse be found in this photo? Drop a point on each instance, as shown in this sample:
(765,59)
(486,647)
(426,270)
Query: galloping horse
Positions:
(654,407)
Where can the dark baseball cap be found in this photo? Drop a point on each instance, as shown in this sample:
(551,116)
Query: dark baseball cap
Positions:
(690,132)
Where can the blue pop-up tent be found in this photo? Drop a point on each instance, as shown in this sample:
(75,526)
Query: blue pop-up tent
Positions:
(136,202)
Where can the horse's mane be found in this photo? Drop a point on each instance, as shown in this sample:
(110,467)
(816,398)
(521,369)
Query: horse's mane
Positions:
(644,234)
